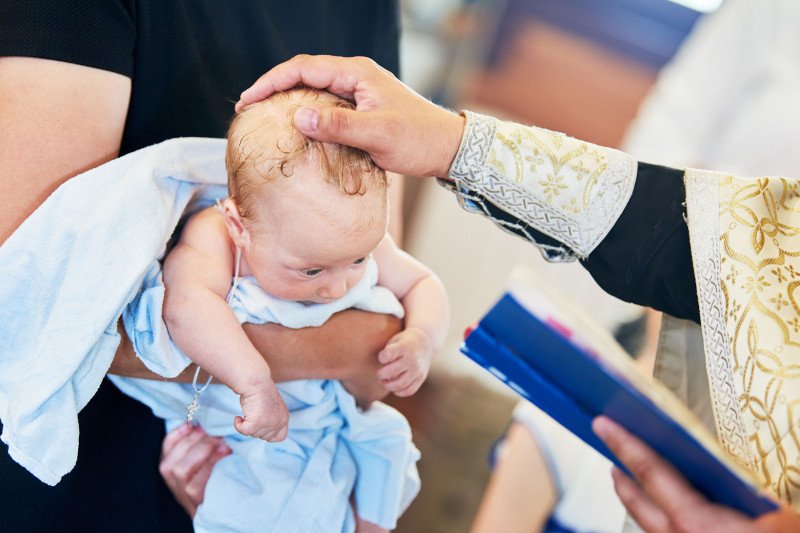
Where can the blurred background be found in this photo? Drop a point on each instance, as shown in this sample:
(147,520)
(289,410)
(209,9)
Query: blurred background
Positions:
(577,66)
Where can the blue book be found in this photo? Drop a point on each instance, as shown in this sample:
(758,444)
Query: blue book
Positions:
(555,356)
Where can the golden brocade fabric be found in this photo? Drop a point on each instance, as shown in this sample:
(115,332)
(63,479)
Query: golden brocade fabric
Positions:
(745,240)
(753,359)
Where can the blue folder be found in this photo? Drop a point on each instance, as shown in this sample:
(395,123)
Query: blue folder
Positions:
(573,387)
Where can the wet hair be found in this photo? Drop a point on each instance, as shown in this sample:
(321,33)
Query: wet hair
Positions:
(264,146)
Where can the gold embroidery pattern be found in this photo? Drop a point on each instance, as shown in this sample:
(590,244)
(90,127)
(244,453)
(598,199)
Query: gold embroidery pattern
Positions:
(561,165)
(760,273)
(568,189)
(757,250)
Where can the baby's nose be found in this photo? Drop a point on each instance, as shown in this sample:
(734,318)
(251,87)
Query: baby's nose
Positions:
(335,289)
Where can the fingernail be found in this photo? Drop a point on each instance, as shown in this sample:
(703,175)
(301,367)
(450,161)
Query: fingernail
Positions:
(600,427)
(306,119)
(183,429)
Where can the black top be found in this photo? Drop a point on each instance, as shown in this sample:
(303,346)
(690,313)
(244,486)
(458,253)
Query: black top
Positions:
(188,61)
(645,258)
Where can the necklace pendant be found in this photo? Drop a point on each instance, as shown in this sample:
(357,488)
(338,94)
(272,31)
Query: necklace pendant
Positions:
(191,409)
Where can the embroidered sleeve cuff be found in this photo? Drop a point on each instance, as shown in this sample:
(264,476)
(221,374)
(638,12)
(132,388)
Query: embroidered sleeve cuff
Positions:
(533,181)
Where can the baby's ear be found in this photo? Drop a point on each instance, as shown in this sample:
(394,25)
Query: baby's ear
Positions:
(239,233)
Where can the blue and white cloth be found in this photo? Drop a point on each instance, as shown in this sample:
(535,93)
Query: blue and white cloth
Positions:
(67,273)
(66,276)
(333,449)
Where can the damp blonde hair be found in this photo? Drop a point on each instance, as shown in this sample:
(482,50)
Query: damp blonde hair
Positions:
(265,147)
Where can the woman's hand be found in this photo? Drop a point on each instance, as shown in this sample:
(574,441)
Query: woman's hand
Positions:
(187,456)
(660,499)
(402,131)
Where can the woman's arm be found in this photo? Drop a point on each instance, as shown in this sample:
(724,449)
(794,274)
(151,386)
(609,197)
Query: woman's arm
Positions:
(56,120)
(345,348)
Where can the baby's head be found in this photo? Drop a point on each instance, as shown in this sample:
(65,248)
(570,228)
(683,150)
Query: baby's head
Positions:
(305,214)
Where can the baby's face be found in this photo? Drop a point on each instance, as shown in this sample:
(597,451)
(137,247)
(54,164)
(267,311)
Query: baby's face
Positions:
(314,244)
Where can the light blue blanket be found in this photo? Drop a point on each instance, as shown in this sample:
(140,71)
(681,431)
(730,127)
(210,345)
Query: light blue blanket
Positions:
(333,449)
(66,275)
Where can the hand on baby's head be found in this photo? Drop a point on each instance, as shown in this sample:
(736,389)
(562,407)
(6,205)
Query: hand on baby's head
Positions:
(265,148)
(406,360)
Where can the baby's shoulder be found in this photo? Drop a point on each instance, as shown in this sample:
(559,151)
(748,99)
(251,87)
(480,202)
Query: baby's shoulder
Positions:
(208,219)
(205,227)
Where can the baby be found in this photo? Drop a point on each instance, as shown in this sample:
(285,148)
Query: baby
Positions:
(302,236)
(304,220)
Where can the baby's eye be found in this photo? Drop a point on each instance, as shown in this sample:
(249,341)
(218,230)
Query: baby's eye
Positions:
(359,261)
(311,272)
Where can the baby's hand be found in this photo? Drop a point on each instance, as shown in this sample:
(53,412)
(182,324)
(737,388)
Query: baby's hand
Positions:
(406,360)
(265,414)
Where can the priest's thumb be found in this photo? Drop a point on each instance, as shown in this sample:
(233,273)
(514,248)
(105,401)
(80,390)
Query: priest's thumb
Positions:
(337,125)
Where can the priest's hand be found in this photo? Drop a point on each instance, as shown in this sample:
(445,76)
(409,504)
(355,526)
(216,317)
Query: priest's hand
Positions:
(661,500)
(402,131)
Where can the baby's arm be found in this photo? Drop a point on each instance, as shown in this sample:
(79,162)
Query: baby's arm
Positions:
(407,356)
(197,276)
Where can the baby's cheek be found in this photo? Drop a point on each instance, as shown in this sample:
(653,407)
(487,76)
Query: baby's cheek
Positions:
(289,290)
(356,275)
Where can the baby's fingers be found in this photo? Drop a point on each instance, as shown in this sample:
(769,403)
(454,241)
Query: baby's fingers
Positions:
(392,371)
(267,433)
(272,435)
(403,383)
(249,428)
(411,388)
(242,426)
(280,435)
(389,353)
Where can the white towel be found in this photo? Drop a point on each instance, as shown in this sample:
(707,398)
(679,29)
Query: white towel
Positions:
(67,273)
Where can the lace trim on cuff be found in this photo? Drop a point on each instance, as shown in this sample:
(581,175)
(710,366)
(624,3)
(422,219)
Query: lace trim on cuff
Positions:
(474,203)
(567,189)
